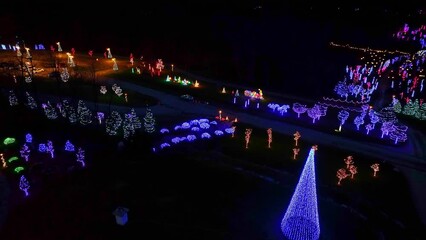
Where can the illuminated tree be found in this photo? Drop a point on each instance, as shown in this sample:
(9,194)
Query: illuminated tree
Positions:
(84,114)
(341,174)
(397,107)
(353,169)
(65,75)
(296,137)
(349,160)
(342,89)
(69,111)
(301,219)
(399,133)
(50,149)
(13,100)
(374,118)
(269,131)
(128,128)
(314,113)
(387,114)
(149,121)
(49,110)
(3,161)
(80,156)
(69,147)
(135,119)
(376,168)
(295,152)
(114,66)
(322,110)
(342,116)
(31,103)
(24,185)
(387,127)
(409,108)
(25,152)
(359,120)
(422,112)
(299,109)
(247,136)
(369,127)
(113,123)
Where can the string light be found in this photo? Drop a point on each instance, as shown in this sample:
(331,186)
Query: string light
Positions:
(366,49)
(301,221)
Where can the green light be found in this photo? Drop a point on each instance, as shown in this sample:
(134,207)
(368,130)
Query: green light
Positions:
(18,169)
(8,141)
(13,159)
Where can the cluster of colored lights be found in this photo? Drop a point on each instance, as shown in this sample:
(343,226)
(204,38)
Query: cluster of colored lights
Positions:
(181,81)
(365,49)
(192,130)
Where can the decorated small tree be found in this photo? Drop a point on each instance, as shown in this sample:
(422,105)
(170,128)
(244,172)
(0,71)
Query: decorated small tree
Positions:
(374,118)
(353,170)
(49,110)
(113,123)
(65,75)
(135,119)
(299,109)
(314,113)
(342,116)
(24,185)
(84,114)
(69,147)
(296,136)
(341,174)
(149,121)
(80,156)
(13,100)
(349,160)
(3,161)
(128,127)
(31,103)
(50,149)
(295,152)
(247,136)
(387,127)
(25,152)
(376,168)
(397,107)
(369,127)
(359,120)
(269,131)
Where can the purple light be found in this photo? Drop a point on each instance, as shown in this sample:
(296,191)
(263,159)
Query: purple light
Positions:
(301,221)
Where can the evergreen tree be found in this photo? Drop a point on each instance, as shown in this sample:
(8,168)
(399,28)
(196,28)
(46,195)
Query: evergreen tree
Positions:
(13,100)
(409,108)
(31,103)
(84,114)
(135,119)
(128,128)
(422,112)
(149,121)
(50,111)
(113,123)
(397,107)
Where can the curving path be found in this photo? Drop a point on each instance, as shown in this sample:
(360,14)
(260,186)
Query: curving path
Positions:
(412,163)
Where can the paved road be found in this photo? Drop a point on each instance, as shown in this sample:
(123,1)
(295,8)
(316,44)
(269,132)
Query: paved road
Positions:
(412,163)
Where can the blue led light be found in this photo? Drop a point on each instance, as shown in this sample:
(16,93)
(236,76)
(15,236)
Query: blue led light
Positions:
(301,221)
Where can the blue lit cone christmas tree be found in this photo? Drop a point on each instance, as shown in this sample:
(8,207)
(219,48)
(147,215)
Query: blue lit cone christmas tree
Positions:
(301,220)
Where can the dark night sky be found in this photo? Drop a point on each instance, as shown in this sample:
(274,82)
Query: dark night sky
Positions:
(256,41)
